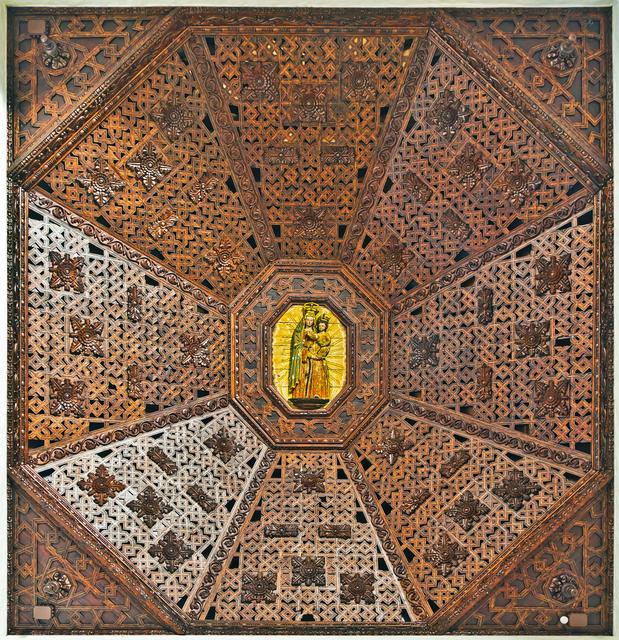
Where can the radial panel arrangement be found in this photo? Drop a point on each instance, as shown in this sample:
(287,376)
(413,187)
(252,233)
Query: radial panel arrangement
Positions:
(312,321)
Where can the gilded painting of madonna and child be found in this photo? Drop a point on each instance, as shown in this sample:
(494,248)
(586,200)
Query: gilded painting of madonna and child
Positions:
(309,356)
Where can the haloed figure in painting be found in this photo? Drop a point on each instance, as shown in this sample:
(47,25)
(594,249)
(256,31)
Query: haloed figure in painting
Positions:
(308,374)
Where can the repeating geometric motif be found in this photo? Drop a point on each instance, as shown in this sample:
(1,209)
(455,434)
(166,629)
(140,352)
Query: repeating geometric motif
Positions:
(466,173)
(561,59)
(513,322)
(310,111)
(168,189)
(443,496)
(135,327)
(89,600)
(173,495)
(88,46)
(324,521)
(303,283)
(564,576)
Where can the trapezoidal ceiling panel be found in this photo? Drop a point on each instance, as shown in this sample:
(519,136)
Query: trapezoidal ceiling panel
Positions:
(311,315)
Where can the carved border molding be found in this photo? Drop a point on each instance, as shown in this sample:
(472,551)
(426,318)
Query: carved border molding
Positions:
(499,436)
(451,32)
(232,148)
(152,422)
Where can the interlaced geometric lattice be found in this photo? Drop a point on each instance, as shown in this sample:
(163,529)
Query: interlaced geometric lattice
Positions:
(438,181)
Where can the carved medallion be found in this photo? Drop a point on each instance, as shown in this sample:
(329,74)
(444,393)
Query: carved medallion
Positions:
(553,274)
(518,183)
(201,498)
(446,555)
(562,55)
(66,397)
(258,587)
(532,339)
(515,489)
(66,272)
(56,585)
(173,118)
(223,256)
(357,587)
(424,350)
(414,500)
(393,256)
(170,551)
(310,223)
(203,187)
(467,511)
(54,54)
(308,571)
(162,460)
(149,506)
(308,480)
(86,337)
(552,398)
(148,166)
(564,588)
(101,485)
(100,182)
(448,114)
(161,225)
(393,446)
(359,81)
(454,463)
(223,445)
(485,305)
(469,167)
(260,81)
(454,225)
(308,104)
(195,349)
(415,188)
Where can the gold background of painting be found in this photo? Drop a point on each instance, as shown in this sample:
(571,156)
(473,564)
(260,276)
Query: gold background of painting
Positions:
(280,350)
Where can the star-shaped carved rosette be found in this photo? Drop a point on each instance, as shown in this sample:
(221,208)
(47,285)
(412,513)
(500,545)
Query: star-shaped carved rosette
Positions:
(393,256)
(66,397)
(224,446)
(532,339)
(424,350)
(553,274)
(393,446)
(66,272)
(515,489)
(148,166)
(446,555)
(224,256)
(195,349)
(308,571)
(171,551)
(150,507)
(552,398)
(467,511)
(357,588)
(101,485)
(308,480)
(258,587)
(448,114)
(100,182)
(173,118)
(518,183)
(86,337)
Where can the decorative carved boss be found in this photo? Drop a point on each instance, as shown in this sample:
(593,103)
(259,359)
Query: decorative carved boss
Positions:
(309,355)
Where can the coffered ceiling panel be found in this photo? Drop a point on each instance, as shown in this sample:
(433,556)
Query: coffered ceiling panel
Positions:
(311,318)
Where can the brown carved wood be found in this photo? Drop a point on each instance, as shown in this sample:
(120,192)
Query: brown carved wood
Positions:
(440,181)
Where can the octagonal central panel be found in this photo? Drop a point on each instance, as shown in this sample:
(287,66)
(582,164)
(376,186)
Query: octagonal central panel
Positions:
(309,358)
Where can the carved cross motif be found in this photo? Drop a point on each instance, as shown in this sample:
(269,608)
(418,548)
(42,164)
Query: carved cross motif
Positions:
(308,571)
(484,383)
(134,303)
(562,55)
(56,585)
(100,182)
(469,167)
(201,498)
(553,274)
(393,256)
(223,446)
(532,338)
(205,185)
(359,81)
(149,506)
(66,397)
(394,446)
(100,485)
(170,551)
(258,587)
(308,104)
(86,337)
(309,480)
(357,587)
(446,555)
(134,382)
(162,460)
(148,167)
(448,114)
(195,349)
(454,225)
(424,351)
(160,226)
(454,463)
(415,188)
(564,588)
(485,305)
(467,510)
(173,118)
(515,488)
(552,399)
(66,272)
(518,183)
(224,257)
(414,500)
(260,81)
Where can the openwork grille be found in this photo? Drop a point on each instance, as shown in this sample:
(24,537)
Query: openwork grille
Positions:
(311,317)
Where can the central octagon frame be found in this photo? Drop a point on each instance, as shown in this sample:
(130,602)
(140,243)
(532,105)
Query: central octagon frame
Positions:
(365,316)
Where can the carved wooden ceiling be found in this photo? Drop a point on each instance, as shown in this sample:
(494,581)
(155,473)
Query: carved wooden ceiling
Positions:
(439,182)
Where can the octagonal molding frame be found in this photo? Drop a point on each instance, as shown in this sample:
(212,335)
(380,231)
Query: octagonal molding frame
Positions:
(251,345)
(267,341)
